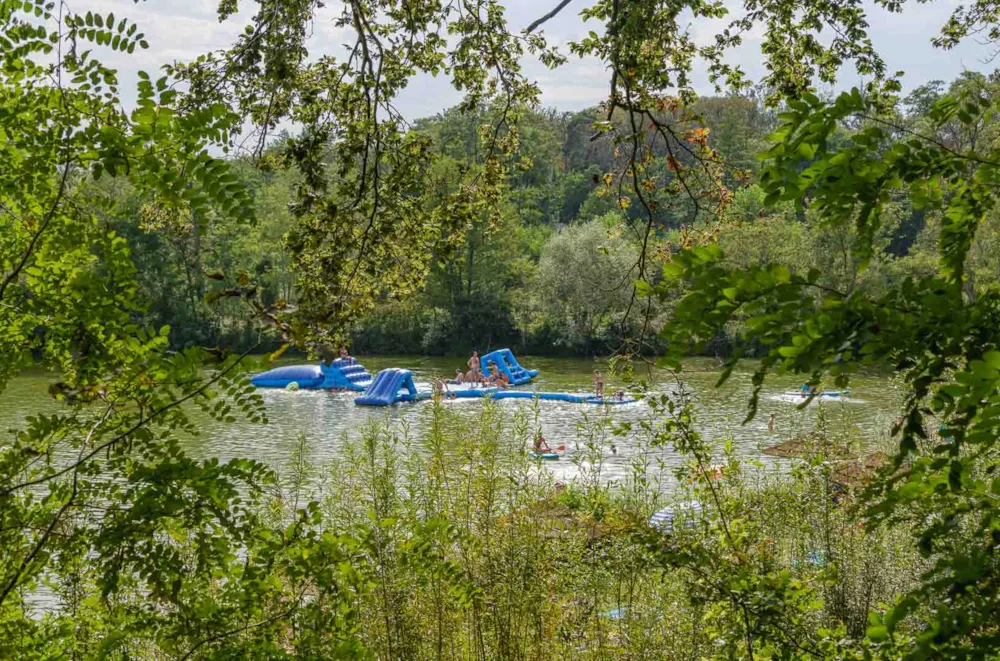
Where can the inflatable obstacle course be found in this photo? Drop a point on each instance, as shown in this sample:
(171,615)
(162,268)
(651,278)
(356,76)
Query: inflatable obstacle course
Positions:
(389,387)
(338,375)
(507,364)
(382,393)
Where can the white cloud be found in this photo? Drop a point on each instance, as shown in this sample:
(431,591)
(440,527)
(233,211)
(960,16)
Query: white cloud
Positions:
(183,29)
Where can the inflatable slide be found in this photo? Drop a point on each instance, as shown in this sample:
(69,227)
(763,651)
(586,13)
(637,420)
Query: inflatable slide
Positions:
(507,364)
(385,389)
(338,375)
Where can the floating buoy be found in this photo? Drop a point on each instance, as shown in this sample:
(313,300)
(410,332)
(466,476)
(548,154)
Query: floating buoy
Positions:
(292,386)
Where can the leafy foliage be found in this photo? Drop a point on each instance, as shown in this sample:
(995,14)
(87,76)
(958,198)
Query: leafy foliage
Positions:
(144,551)
(939,335)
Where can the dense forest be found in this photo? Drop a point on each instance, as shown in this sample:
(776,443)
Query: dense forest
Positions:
(547,277)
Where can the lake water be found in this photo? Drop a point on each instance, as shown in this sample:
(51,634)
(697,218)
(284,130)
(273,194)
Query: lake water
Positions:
(327,419)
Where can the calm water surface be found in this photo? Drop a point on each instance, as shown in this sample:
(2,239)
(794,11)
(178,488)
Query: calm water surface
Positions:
(327,419)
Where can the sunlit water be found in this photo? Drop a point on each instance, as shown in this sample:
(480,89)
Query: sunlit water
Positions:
(328,419)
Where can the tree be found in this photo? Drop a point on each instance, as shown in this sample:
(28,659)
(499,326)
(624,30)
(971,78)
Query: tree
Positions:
(938,335)
(69,299)
(584,284)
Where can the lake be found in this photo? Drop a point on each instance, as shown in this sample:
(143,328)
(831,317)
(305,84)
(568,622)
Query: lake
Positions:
(327,418)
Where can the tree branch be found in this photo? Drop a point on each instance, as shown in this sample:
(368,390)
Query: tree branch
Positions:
(38,233)
(551,14)
(26,562)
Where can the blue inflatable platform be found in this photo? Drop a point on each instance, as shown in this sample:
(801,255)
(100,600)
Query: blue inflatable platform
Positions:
(824,393)
(391,386)
(395,385)
(562,397)
(338,375)
(507,364)
(385,389)
(468,390)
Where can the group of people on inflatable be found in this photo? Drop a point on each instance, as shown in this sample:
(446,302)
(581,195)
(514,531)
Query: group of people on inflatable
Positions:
(497,379)
(475,377)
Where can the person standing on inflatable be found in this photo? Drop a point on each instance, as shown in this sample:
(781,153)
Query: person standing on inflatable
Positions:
(598,384)
(474,364)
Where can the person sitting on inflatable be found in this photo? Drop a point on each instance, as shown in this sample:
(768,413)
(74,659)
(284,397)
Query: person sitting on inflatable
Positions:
(459,377)
(441,388)
(344,355)
(541,447)
(498,378)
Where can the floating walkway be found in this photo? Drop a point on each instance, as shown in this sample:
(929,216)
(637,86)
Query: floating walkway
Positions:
(392,386)
(339,375)
(562,397)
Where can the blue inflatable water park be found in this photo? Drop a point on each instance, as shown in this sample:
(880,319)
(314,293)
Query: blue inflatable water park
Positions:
(338,375)
(394,385)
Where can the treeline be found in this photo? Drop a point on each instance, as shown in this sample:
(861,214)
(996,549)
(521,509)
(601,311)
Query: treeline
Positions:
(554,275)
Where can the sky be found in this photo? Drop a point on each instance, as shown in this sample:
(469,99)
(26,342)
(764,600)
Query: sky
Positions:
(183,29)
